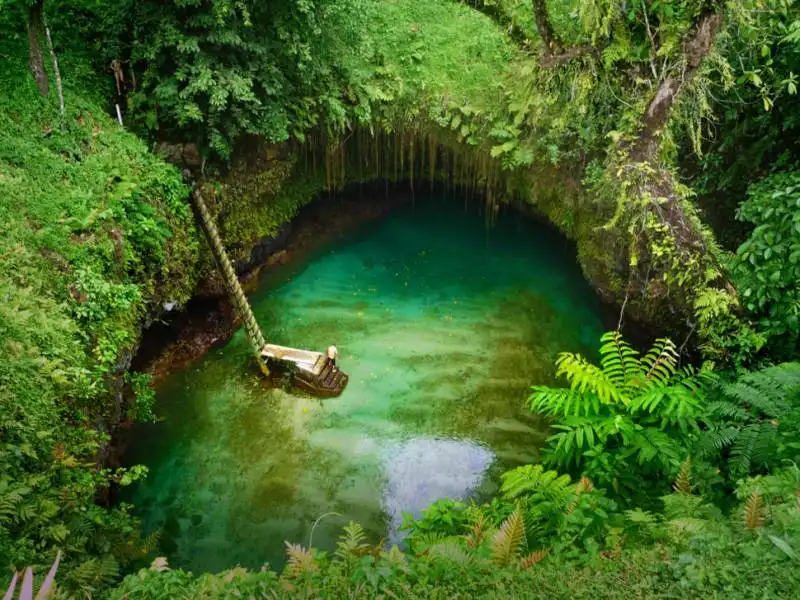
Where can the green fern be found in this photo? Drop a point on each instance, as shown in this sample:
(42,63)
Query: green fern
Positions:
(768,391)
(619,360)
(532,481)
(746,418)
(478,529)
(640,408)
(452,551)
(94,574)
(351,542)
(394,557)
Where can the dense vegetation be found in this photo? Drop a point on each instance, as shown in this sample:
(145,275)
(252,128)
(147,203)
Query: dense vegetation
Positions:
(612,118)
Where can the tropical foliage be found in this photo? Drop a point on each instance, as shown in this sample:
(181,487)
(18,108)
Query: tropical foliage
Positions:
(626,421)
(671,481)
(766,268)
(753,422)
(685,549)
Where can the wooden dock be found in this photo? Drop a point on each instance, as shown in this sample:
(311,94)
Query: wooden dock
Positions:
(312,371)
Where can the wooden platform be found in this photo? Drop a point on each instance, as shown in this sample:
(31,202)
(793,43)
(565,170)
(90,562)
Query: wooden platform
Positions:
(312,371)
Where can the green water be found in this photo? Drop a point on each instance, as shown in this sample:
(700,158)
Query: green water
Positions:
(442,326)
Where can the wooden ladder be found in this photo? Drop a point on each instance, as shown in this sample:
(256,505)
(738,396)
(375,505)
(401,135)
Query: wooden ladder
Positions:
(232,285)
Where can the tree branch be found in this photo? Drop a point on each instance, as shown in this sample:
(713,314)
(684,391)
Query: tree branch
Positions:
(56,71)
(695,48)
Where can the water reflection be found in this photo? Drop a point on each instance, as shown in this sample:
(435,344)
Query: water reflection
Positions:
(422,470)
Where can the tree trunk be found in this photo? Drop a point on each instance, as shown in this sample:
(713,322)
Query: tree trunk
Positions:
(552,43)
(695,49)
(35,60)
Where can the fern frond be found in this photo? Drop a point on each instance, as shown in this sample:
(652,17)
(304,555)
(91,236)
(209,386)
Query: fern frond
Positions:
(679,506)
(395,557)
(753,446)
(672,404)
(424,541)
(562,402)
(640,517)
(764,402)
(507,542)
(715,439)
(583,377)
(530,480)
(619,361)
(584,485)
(351,542)
(654,446)
(453,552)
(478,531)
(686,527)
(300,561)
(526,562)
(768,391)
(754,511)
(683,482)
(94,574)
(660,363)
(728,410)
(576,435)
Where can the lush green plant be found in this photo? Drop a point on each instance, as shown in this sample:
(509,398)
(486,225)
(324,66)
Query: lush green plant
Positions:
(685,548)
(767,266)
(753,423)
(217,70)
(95,232)
(626,422)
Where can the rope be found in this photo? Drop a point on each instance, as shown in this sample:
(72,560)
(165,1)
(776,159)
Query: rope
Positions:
(240,303)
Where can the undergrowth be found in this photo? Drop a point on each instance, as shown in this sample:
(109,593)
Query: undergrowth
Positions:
(96,235)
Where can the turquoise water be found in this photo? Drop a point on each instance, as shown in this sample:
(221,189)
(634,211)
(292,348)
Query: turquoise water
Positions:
(442,325)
